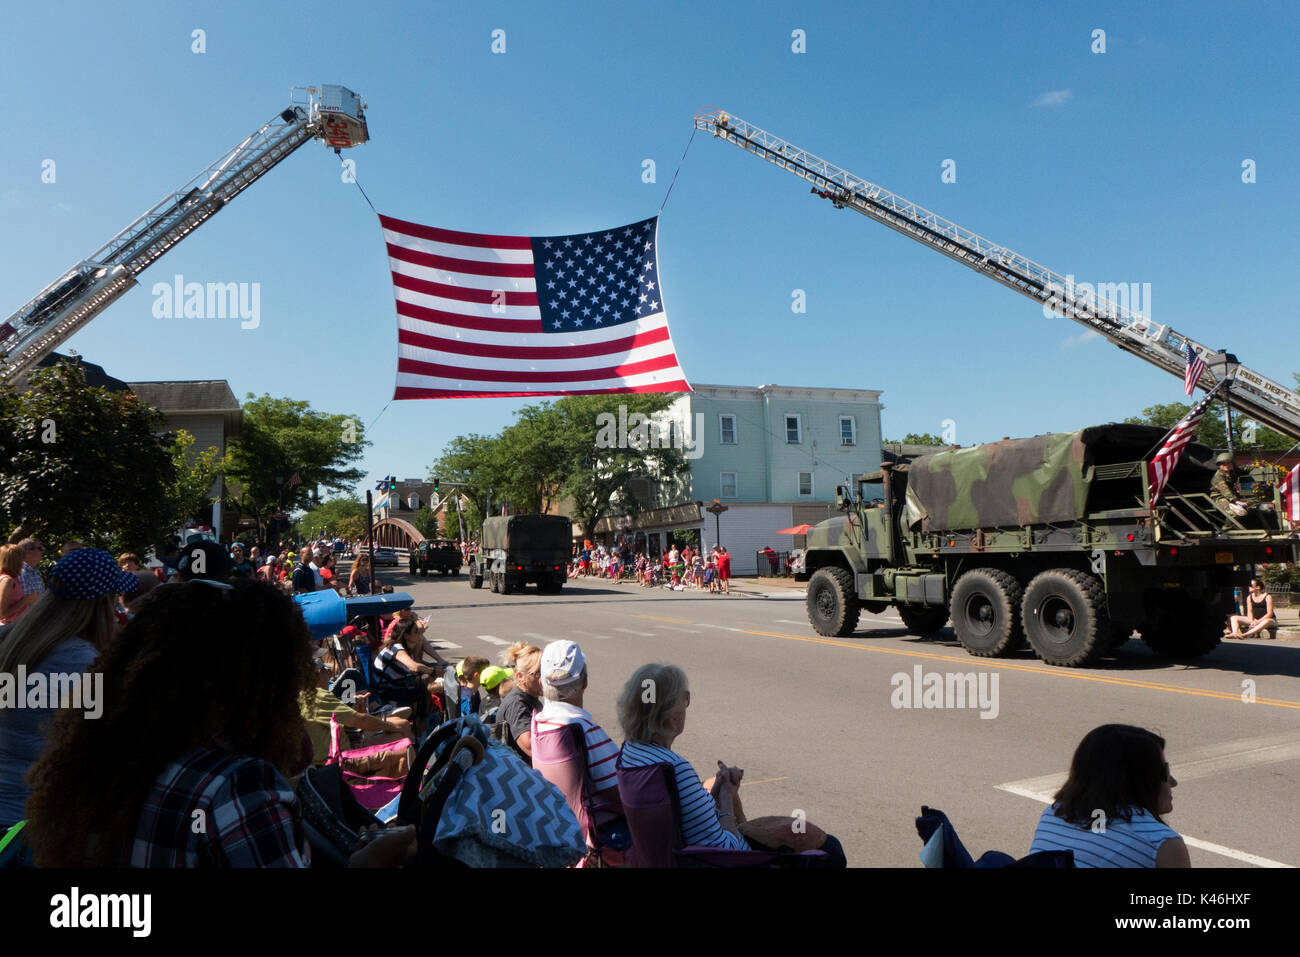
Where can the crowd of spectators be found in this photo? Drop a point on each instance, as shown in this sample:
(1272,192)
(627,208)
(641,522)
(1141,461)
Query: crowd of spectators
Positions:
(677,570)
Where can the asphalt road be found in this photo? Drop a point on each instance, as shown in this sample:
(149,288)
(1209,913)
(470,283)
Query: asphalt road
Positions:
(814,721)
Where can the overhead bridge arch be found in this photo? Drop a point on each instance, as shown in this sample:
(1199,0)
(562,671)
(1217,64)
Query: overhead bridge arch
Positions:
(396,533)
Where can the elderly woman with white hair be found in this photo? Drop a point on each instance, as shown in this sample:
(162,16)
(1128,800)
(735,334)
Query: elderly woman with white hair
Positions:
(652,711)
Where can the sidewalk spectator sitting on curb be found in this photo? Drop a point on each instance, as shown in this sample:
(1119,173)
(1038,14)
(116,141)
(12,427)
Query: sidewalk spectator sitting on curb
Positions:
(1120,778)
(65,631)
(495,684)
(711,814)
(1259,614)
(524,699)
(219,747)
(468,671)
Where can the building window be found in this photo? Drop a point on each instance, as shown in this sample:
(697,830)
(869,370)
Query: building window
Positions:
(414,503)
(727,425)
(793,431)
(848,431)
(727,481)
(805,484)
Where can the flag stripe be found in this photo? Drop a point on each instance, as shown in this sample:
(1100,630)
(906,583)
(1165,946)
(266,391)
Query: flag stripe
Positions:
(625,369)
(488,350)
(493,297)
(408,392)
(471,267)
(511,336)
(455,237)
(489,323)
(505,385)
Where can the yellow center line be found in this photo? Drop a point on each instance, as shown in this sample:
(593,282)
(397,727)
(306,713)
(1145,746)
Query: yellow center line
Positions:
(676,621)
(1030,669)
(763,781)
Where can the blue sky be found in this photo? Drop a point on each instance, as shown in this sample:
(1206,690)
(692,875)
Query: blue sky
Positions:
(1116,167)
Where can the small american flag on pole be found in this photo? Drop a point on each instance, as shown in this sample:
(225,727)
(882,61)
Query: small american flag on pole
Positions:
(484,315)
(1194,368)
(1290,489)
(1162,466)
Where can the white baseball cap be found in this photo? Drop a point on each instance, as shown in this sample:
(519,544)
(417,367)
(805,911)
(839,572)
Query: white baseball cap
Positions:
(563,656)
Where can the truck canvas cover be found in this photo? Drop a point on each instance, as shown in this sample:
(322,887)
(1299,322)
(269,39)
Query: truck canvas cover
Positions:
(1043,479)
(528,533)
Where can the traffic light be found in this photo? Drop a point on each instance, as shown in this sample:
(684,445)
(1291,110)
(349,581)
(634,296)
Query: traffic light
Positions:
(392,483)
(435,485)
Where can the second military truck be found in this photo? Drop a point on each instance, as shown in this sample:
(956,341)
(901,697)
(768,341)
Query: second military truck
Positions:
(517,549)
(1051,540)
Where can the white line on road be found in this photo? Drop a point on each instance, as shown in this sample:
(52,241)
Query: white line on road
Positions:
(492,639)
(590,635)
(692,631)
(705,624)
(541,640)
(446,644)
(640,634)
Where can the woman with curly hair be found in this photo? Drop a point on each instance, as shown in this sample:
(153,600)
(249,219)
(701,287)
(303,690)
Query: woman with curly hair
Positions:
(189,765)
(1109,810)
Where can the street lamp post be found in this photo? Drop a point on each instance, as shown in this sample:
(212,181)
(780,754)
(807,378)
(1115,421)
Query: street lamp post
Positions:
(716,510)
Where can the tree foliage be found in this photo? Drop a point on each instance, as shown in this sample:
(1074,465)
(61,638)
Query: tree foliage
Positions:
(1212,431)
(912,438)
(284,437)
(550,454)
(191,493)
(334,518)
(87,463)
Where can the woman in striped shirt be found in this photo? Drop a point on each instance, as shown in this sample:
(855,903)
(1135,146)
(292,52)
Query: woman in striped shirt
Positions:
(1109,810)
(710,817)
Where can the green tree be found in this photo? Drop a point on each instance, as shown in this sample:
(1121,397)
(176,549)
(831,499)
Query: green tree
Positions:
(425,521)
(912,438)
(473,464)
(1212,432)
(191,493)
(83,462)
(330,515)
(282,438)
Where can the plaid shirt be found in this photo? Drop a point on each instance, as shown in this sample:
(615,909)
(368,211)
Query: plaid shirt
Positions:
(30,579)
(213,809)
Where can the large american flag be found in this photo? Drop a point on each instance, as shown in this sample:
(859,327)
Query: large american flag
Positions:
(1194,368)
(1162,466)
(1290,489)
(482,315)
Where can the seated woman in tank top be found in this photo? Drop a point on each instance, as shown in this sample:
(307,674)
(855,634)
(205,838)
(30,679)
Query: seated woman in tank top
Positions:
(1109,810)
(1259,608)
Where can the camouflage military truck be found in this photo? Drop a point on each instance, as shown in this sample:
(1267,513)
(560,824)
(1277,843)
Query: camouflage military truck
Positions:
(517,549)
(441,555)
(1051,540)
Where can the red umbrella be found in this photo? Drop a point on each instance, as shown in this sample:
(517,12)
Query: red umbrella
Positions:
(797,530)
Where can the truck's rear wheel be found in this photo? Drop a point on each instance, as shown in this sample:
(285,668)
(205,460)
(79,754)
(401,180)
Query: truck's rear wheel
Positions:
(475,581)
(986,612)
(1185,631)
(494,583)
(832,605)
(1065,617)
(923,621)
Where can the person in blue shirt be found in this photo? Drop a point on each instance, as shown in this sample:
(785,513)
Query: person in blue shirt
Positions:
(1109,811)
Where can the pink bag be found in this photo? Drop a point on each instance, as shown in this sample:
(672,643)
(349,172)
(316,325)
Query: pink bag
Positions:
(371,792)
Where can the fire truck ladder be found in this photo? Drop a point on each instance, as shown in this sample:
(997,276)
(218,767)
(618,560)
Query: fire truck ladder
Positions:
(332,114)
(1262,399)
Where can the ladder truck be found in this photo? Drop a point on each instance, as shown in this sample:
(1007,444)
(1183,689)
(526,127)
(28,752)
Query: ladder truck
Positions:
(333,114)
(1057,541)
(1262,399)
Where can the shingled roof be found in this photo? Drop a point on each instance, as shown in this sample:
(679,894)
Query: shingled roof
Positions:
(177,398)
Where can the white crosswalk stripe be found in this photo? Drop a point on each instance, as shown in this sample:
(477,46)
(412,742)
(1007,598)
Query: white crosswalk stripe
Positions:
(492,639)
(639,634)
(693,631)
(446,644)
(588,634)
(540,641)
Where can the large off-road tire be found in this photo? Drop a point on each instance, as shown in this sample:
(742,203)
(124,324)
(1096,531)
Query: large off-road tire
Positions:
(1065,617)
(832,605)
(923,621)
(986,612)
(475,581)
(494,583)
(1187,631)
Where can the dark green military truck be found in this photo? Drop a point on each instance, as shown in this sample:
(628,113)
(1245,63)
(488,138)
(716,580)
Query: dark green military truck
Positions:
(439,555)
(1051,540)
(517,549)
